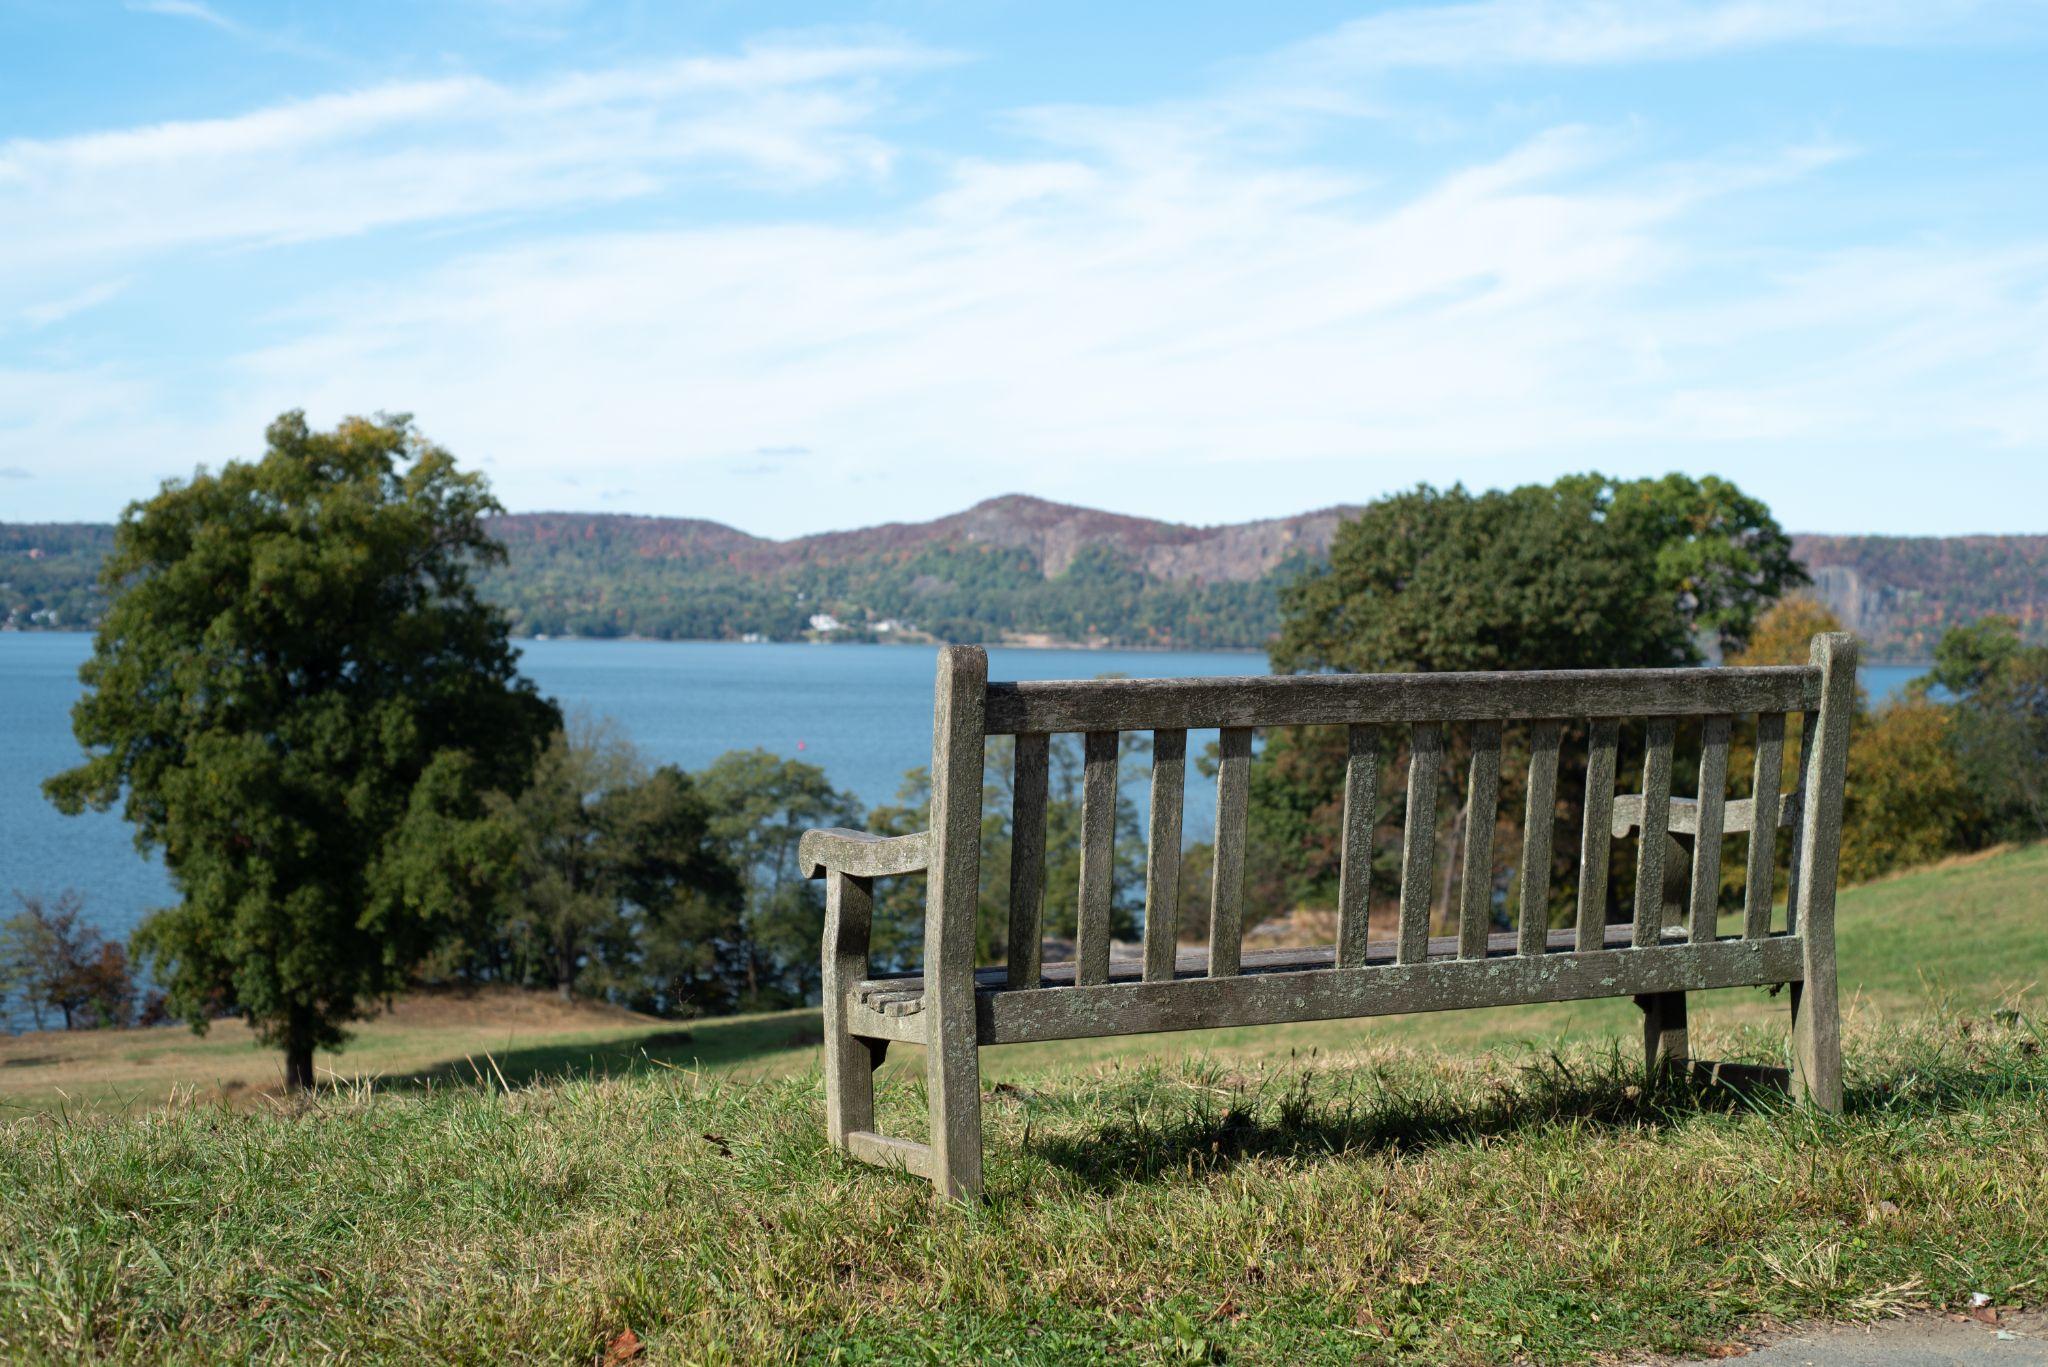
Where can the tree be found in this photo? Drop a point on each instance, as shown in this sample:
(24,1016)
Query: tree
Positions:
(613,882)
(52,960)
(1908,800)
(2001,722)
(761,806)
(295,674)
(1586,573)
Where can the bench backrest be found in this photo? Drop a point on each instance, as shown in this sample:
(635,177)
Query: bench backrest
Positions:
(1377,711)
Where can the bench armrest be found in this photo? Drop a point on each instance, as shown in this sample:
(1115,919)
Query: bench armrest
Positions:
(860,854)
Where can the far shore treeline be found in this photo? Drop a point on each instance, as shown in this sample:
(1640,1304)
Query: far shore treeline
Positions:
(1017,569)
(301,695)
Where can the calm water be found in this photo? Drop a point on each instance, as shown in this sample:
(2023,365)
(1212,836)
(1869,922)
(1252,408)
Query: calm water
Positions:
(863,713)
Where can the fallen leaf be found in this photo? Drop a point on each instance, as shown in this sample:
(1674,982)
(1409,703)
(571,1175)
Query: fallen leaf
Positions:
(623,1349)
(717,1141)
(1984,1314)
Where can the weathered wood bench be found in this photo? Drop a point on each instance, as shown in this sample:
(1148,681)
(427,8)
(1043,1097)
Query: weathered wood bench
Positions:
(954,1009)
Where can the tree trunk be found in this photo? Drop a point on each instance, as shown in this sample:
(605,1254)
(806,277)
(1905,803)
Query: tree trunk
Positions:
(298,1065)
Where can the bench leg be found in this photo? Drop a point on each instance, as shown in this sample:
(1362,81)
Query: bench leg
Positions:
(850,1061)
(953,1076)
(1817,1043)
(1664,1043)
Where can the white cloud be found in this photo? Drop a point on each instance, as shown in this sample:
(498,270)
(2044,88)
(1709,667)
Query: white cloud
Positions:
(1494,33)
(426,151)
(185,9)
(57,310)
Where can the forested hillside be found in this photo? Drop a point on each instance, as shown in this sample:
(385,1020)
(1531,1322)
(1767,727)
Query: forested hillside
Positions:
(1019,568)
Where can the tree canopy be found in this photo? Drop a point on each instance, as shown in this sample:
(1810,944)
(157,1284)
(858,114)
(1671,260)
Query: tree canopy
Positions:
(295,673)
(1586,573)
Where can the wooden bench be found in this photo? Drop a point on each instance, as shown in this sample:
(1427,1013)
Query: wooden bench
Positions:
(954,1008)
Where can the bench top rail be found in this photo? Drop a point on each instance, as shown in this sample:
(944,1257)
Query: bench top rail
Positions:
(1338,699)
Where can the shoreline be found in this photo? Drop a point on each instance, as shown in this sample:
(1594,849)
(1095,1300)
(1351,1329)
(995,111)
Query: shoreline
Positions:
(1078,646)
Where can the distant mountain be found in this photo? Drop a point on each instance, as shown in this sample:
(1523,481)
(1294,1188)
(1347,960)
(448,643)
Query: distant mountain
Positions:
(1019,568)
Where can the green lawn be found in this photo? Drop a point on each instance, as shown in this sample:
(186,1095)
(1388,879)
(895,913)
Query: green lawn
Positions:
(1477,1187)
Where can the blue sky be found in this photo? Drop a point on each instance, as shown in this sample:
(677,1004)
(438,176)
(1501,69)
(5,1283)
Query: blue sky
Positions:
(795,268)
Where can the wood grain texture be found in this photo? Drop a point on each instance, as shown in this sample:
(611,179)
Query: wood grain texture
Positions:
(1162,851)
(1482,810)
(1098,854)
(1394,989)
(1596,844)
(1350,699)
(1354,868)
(1816,1019)
(1539,822)
(952,897)
(1703,915)
(849,1073)
(1807,726)
(1027,858)
(1653,848)
(1418,839)
(904,1155)
(1763,840)
(1233,814)
(861,854)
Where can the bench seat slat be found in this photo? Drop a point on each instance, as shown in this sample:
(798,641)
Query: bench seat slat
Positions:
(1341,699)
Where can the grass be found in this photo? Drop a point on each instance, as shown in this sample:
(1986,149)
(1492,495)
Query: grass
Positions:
(1305,1194)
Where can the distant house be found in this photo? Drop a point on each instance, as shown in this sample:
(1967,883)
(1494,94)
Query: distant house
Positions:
(824,621)
(887,625)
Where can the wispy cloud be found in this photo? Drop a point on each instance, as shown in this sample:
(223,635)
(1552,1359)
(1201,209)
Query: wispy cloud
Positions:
(1495,33)
(56,310)
(782,115)
(186,9)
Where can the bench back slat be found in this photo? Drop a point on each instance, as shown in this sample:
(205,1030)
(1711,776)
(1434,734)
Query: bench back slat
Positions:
(1482,809)
(1545,739)
(1027,859)
(1763,827)
(1809,727)
(1705,910)
(1652,850)
(1233,816)
(1162,852)
(1597,838)
(1098,855)
(1354,866)
(1418,841)
(1345,699)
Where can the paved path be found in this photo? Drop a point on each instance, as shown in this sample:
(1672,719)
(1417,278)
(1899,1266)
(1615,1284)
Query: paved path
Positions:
(1927,1341)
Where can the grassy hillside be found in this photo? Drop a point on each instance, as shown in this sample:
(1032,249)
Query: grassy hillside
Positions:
(1971,934)
(1321,1194)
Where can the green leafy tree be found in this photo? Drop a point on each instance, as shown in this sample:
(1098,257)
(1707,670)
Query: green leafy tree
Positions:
(614,885)
(761,805)
(1586,573)
(293,671)
(2000,687)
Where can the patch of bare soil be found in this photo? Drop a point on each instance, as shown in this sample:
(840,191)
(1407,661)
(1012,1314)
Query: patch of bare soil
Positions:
(504,1008)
